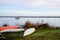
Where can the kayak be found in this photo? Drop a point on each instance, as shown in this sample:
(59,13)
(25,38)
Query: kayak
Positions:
(12,30)
(8,27)
(29,31)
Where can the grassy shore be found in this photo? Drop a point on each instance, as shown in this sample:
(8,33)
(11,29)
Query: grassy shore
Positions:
(39,34)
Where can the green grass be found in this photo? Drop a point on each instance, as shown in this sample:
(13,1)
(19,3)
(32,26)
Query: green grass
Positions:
(39,34)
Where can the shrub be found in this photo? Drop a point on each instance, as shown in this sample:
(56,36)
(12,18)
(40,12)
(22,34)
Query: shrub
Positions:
(5,25)
(45,25)
(28,24)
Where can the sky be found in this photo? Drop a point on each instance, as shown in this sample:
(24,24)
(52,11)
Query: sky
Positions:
(29,7)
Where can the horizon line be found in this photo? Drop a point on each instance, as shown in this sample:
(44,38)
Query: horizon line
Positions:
(29,16)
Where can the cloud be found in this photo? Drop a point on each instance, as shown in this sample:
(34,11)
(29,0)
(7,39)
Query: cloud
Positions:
(29,13)
(29,6)
(35,3)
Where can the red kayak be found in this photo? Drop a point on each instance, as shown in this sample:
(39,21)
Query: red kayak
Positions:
(8,27)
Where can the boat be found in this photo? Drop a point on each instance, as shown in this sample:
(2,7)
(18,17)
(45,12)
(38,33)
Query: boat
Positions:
(8,27)
(29,31)
(11,30)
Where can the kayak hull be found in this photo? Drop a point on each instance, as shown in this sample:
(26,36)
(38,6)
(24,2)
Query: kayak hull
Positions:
(29,31)
(12,30)
(8,27)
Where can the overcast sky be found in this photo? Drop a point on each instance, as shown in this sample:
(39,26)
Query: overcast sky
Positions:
(30,7)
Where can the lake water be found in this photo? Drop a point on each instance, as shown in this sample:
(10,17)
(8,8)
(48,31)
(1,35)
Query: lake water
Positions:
(21,21)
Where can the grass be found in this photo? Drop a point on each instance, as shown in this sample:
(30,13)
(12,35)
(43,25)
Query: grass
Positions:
(39,34)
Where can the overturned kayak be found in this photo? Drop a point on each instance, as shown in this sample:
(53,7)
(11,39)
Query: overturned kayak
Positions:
(8,27)
(29,31)
(12,30)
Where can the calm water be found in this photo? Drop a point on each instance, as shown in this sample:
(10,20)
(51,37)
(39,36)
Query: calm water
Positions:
(21,21)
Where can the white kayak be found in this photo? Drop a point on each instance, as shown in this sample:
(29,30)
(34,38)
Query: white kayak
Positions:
(11,30)
(29,31)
